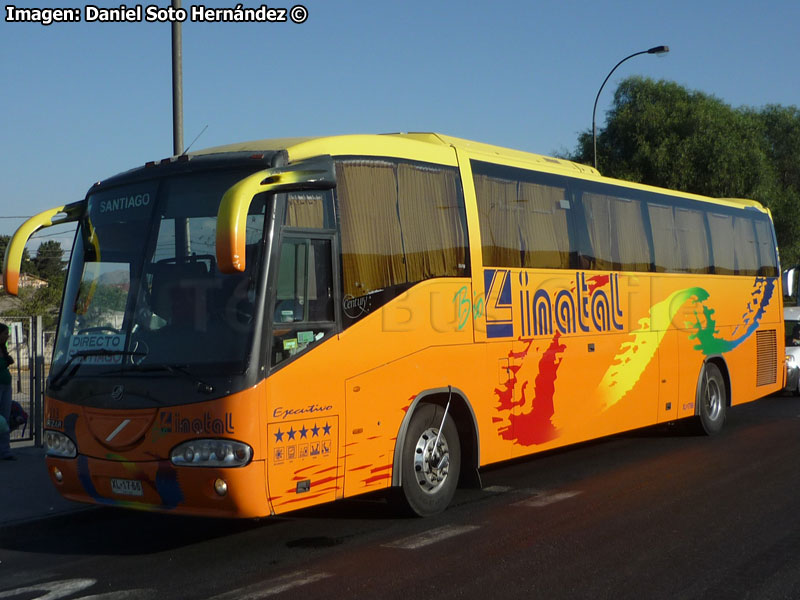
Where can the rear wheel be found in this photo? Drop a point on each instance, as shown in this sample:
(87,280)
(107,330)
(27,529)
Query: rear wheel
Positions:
(712,400)
(431,461)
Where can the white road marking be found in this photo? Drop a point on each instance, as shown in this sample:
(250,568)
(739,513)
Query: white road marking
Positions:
(431,537)
(52,590)
(272,586)
(58,590)
(497,489)
(546,498)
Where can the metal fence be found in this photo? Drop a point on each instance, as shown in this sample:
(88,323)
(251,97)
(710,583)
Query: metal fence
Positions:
(27,347)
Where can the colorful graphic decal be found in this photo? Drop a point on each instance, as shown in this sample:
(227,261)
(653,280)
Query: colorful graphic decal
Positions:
(532,423)
(166,485)
(709,343)
(166,480)
(635,355)
(499,311)
(527,420)
(514,306)
(466,307)
(322,480)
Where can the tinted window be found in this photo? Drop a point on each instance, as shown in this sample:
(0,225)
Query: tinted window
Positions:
(616,232)
(401,223)
(680,243)
(523,223)
(534,219)
(310,210)
(303,297)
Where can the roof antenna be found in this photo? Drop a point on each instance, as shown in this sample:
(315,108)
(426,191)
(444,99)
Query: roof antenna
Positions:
(194,140)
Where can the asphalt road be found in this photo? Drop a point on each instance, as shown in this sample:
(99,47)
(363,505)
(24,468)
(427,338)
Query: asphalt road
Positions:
(652,514)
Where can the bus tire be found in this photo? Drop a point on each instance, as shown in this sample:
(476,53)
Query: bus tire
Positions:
(429,475)
(712,400)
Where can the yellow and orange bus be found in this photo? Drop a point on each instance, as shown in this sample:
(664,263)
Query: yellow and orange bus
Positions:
(256,328)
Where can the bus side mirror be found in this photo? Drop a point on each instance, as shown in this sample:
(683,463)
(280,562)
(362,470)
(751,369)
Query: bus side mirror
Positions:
(790,284)
(313,174)
(13,258)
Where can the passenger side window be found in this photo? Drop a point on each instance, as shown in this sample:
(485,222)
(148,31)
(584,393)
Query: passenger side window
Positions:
(616,232)
(680,244)
(522,223)
(303,311)
(401,223)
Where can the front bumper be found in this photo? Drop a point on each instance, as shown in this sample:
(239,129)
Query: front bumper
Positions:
(164,487)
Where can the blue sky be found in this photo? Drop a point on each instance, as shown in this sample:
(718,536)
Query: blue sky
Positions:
(83,101)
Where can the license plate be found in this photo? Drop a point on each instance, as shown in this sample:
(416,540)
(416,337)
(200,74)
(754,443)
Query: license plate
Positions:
(127,487)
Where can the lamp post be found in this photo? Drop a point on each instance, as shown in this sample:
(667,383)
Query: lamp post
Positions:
(177,84)
(654,50)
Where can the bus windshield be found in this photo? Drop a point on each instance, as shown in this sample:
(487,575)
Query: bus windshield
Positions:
(143,291)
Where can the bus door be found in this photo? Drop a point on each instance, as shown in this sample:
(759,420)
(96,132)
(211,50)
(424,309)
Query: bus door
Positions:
(303,414)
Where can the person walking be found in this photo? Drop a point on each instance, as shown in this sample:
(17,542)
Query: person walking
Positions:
(5,393)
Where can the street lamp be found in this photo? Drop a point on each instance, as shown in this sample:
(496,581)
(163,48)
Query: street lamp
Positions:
(654,50)
(177,84)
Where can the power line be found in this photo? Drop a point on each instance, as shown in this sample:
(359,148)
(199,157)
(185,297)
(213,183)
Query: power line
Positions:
(64,234)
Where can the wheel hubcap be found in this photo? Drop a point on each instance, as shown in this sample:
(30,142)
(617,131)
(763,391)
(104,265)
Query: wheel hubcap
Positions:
(431,461)
(713,400)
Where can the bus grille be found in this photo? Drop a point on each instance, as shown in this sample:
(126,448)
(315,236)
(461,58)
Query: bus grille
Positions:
(767,357)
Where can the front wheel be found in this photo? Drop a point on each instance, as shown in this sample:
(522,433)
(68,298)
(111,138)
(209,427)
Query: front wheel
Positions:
(712,399)
(431,462)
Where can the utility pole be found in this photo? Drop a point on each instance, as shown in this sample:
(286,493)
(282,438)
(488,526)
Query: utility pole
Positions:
(177,83)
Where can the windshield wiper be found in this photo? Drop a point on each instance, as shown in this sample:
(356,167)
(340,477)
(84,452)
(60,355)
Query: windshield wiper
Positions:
(55,380)
(202,386)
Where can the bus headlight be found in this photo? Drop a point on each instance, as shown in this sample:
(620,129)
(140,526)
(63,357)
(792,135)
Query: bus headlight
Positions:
(211,453)
(59,445)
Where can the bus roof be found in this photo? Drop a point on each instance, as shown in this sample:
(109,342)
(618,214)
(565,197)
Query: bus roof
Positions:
(438,148)
(422,146)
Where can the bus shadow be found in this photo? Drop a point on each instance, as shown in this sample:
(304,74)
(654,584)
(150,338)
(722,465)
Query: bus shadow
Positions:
(121,532)
(376,506)
(111,531)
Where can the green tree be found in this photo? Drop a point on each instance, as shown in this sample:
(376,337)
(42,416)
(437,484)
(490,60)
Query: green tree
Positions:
(662,134)
(44,301)
(48,260)
(781,128)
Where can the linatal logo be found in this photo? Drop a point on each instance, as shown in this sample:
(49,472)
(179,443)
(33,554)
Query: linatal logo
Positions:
(175,422)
